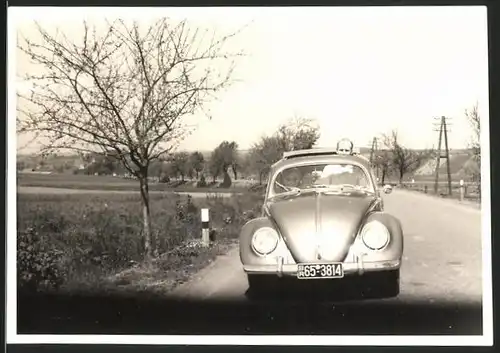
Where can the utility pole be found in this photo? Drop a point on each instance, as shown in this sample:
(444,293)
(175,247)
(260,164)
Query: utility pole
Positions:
(373,154)
(443,130)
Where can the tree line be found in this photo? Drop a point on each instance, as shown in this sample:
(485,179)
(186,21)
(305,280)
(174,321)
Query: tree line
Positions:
(228,162)
(225,161)
(393,159)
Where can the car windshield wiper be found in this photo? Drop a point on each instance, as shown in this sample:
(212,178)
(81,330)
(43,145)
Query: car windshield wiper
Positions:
(356,187)
(324,186)
(289,189)
(342,187)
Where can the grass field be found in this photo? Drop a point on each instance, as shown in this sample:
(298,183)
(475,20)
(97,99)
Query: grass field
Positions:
(86,242)
(92,182)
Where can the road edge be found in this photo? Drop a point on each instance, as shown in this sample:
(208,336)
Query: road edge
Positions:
(185,289)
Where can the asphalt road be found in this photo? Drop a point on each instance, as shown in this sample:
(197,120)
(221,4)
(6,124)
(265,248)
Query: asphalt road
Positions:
(440,278)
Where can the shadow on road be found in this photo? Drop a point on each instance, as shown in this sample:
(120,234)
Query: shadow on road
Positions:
(57,314)
(375,286)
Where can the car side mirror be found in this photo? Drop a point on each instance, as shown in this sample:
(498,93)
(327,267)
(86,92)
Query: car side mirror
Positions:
(387,189)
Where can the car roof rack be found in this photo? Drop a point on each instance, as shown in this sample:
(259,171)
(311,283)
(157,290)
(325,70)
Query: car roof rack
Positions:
(315,152)
(308,152)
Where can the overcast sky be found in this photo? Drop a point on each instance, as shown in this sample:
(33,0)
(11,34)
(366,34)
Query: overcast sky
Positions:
(359,71)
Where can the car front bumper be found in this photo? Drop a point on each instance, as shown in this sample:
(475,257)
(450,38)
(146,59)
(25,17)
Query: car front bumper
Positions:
(350,268)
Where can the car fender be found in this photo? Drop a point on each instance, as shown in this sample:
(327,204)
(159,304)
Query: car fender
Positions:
(396,243)
(246,234)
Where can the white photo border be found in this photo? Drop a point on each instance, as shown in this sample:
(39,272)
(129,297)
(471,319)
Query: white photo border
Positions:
(12,337)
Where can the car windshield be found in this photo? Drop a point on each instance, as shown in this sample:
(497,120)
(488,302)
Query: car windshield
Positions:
(335,177)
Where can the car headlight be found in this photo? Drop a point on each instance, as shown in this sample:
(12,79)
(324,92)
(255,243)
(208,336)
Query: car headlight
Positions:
(375,235)
(265,241)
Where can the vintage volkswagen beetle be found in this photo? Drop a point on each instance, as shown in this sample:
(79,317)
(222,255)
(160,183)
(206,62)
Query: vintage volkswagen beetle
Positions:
(323,218)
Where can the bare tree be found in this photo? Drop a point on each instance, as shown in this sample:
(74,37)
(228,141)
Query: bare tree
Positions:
(383,161)
(263,154)
(298,133)
(124,89)
(214,166)
(197,161)
(180,163)
(404,160)
(474,120)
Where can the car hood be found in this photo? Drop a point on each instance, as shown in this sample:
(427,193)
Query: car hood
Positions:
(319,226)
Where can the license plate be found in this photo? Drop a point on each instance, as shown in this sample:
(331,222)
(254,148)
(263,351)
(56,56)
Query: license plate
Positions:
(317,271)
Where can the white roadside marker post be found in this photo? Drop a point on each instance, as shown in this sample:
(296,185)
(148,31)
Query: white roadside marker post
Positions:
(462,189)
(205,227)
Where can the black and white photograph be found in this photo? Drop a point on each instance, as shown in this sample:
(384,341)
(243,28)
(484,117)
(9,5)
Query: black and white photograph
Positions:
(249,176)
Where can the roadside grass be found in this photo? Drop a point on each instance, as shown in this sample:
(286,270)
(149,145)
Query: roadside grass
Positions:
(80,243)
(110,183)
(471,193)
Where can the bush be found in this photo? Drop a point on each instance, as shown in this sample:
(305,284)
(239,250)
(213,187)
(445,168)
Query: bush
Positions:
(39,264)
(226,183)
(202,183)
